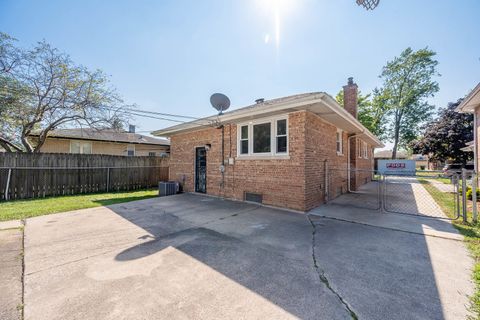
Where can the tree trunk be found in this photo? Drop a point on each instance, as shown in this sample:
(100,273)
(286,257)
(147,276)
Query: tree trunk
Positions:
(398,118)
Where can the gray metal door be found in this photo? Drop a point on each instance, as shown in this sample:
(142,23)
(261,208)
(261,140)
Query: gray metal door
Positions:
(201,170)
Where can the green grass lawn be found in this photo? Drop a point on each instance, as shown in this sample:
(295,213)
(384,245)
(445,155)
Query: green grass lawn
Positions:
(19,209)
(471,232)
(438,176)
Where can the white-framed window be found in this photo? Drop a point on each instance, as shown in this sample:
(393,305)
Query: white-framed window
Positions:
(339,139)
(281,137)
(131,150)
(83,147)
(244,144)
(365,150)
(263,137)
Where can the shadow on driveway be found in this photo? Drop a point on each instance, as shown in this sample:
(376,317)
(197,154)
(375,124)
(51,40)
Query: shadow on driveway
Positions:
(191,256)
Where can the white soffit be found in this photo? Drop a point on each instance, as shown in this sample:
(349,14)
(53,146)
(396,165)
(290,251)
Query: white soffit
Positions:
(471,102)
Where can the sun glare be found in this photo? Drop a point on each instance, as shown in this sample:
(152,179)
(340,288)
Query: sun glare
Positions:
(276,9)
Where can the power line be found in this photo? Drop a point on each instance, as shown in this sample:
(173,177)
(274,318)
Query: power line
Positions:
(137,111)
(173,120)
(162,114)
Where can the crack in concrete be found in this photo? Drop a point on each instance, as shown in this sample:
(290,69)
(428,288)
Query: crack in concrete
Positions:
(321,273)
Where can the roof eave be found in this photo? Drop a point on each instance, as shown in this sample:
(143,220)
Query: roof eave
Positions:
(469,104)
(346,115)
(288,106)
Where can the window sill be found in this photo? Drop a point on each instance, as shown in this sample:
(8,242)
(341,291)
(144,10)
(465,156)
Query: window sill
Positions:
(340,154)
(263,157)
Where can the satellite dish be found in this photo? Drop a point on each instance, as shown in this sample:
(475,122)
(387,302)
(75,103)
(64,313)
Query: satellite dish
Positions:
(220,102)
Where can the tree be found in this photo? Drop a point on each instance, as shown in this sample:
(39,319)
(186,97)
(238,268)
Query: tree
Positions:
(407,85)
(370,111)
(445,136)
(42,89)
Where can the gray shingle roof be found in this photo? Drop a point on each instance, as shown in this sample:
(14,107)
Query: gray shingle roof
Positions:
(388,154)
(106,135)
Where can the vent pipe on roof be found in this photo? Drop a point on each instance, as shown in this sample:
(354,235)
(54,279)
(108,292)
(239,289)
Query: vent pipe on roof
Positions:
(131,128)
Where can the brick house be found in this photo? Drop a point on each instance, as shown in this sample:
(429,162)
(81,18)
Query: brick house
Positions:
(108,142)
(471,104)
(291,152)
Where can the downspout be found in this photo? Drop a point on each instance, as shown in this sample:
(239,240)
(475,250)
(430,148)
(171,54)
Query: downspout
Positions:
(348,159)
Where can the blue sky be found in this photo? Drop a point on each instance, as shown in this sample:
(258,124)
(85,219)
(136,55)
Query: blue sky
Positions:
(170,56)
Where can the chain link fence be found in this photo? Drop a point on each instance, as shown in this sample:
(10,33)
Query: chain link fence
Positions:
(39,182)
(428,194)
(413,194)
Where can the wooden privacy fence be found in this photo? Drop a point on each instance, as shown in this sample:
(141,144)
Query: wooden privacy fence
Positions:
(24,176)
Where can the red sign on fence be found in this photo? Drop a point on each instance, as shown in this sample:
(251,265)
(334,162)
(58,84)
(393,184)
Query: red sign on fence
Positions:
(395,165)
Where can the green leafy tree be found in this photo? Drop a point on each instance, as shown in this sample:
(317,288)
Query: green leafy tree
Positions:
(41,89)
(445,136)
(408,83)
(370,111)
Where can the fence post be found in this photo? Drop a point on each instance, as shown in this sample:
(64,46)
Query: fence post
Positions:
(108,179)
(464,194)
(456,182)
(474,197)
(8,183)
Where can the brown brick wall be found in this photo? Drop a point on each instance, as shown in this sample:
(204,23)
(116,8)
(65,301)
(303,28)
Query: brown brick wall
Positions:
(281,181)
(360,166)
(321,151)
(295,182)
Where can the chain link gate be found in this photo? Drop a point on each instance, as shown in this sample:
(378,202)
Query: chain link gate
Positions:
(413,194)
(396,193)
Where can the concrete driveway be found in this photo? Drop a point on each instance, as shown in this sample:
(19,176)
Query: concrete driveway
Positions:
(194,257)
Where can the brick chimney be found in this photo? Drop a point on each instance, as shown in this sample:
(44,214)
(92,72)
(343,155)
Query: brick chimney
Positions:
(350,93)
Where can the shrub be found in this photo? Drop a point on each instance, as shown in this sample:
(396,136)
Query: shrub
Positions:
(469,194)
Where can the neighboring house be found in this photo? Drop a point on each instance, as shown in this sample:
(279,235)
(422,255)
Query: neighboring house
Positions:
(387,154)
(471,104)
(110,142)
(421,161)
(291,152)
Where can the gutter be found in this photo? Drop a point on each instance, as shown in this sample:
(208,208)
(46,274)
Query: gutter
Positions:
(243,113)
(252,111)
